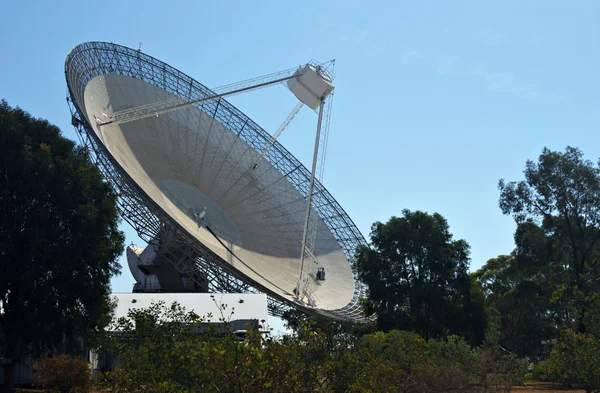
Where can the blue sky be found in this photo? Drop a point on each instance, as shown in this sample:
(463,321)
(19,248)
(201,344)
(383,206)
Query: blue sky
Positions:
(435,101)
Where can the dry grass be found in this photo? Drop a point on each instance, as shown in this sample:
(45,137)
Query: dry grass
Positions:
(547,387)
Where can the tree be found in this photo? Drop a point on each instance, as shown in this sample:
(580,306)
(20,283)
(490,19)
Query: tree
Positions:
(518,304)
(59,241)
(557,209)
(417,278)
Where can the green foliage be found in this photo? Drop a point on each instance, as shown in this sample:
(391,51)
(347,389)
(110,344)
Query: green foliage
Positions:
(497,368)
(333,330)
(539,373)
(575,358)
(404,362)
(557,209)
(401,361)
(452,364)
(163,348)
(518,305)
(59,241)
(166,349)
(417,278)
(391,361)
(62,374)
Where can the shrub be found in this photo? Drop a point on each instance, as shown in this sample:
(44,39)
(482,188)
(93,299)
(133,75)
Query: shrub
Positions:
(494,369)
(575,358)
(160,349)
(393,361)
(62,374)
(539,373)
(450,365)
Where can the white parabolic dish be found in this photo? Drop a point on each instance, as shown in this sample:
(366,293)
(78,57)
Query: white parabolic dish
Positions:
(198,158)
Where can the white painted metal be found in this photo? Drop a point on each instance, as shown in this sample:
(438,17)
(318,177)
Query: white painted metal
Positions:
(310,85)
(137,256)
(279,131)
(300,288)
(185,160)
(320,168)
(161,107)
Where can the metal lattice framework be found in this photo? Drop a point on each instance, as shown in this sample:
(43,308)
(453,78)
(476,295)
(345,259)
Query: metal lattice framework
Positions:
(89,60)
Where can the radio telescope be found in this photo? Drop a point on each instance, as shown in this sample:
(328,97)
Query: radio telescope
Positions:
(223,206)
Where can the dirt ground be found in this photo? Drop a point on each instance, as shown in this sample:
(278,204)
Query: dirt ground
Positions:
(544,387)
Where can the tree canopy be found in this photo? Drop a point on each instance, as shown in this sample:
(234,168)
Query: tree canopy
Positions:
(517,304)
(551,281)
(59,240)
(557,209)
(417,278)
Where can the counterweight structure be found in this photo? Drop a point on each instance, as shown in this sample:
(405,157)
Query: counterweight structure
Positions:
(214,194)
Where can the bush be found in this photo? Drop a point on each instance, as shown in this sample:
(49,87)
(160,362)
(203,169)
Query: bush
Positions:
(450,365)
(497,370)
(166,349)
(160,349)
(62,374)
(539,373)
(575,358)
(393,361)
